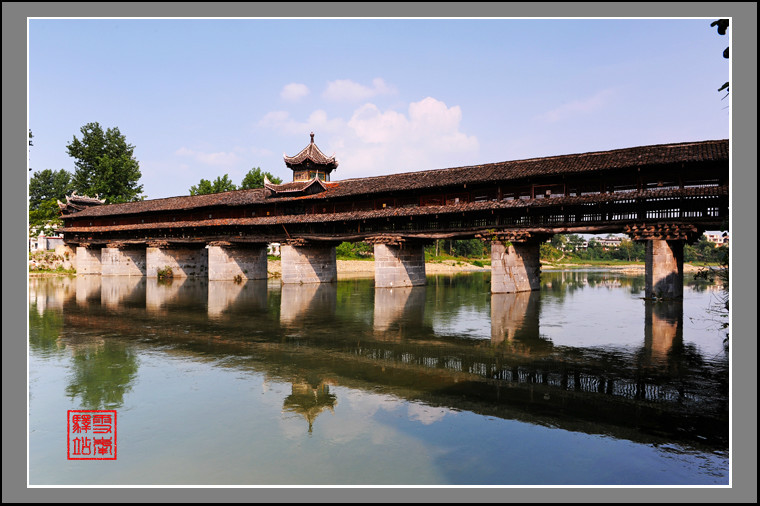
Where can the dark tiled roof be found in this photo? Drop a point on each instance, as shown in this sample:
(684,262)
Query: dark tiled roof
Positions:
(76,203)
(584,163)
(313,154)
(411,211)
(294,186)
(521,169)
(234,198)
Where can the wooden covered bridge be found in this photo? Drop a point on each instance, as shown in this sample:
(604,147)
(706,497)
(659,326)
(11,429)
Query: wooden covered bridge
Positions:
(666,195)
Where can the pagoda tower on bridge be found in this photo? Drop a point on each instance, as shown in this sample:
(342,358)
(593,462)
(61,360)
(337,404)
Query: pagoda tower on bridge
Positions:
(311,171)
(311,163)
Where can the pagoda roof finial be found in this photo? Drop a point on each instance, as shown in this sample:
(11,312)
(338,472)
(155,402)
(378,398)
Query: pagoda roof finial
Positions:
(312,154)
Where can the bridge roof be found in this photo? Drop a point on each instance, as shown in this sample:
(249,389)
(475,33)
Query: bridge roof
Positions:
(594,162)
(312,154)
(583,163)
(407,211)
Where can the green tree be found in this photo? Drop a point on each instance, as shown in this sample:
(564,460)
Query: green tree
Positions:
(220,184)
(559,241)
(44,218)
(105,165)
(48,185)
(255,179)
(45,187)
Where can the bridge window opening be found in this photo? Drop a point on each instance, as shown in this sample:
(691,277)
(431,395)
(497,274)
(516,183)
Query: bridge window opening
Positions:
(664,213)
(622,188)
(518,193)
(703,183)
(408,202)
(580,189)
(549,191)
(662,185)
(485,195)
(343,207)
(365,205)
(457,198)
(713,211)
(592,217)
(384,203)
(435,200)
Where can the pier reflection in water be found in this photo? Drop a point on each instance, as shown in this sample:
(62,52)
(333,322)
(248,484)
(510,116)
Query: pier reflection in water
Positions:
(443,350)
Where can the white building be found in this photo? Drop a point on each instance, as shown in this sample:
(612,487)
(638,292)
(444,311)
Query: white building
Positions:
(719,239)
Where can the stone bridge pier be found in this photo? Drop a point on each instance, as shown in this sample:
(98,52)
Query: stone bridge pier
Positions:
(308,263)
(88,259)
(123,260)
(516,262)
(227,261)
(664,257)
(398,263)
(184,260)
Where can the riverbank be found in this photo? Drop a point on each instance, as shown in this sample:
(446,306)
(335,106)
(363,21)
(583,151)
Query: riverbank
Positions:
(366,268)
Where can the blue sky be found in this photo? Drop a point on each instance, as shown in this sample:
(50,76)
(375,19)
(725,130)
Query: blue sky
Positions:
(204,98)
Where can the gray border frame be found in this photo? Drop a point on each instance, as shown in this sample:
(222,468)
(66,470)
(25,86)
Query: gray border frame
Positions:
(743,34)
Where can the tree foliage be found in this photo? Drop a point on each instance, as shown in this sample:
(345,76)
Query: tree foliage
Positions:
(105,165)
(48,185)
(44,218)
(255,179)
(45,188)
(220,184)
(354,250)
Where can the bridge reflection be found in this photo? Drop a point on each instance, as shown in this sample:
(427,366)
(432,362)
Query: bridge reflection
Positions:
(395,309)
(385,339)
(301,304)
(663,331)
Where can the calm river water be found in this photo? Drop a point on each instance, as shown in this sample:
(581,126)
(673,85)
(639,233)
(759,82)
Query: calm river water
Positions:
(218,383)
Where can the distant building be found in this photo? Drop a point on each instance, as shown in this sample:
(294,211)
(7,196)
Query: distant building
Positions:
(44,242)
(719,239)
(609,242)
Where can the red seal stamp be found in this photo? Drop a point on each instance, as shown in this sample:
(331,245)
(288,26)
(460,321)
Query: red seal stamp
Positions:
(91,434)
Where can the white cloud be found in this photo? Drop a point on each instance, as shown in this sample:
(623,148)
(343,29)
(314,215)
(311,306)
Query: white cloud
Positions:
(375,142)
(294,91)
(345,90)
(577,107)
(427,415)
(427,137)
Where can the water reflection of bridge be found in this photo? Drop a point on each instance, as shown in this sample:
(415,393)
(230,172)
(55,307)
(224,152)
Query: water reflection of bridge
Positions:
(516,368)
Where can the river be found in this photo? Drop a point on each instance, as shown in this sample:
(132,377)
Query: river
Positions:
(259,383)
